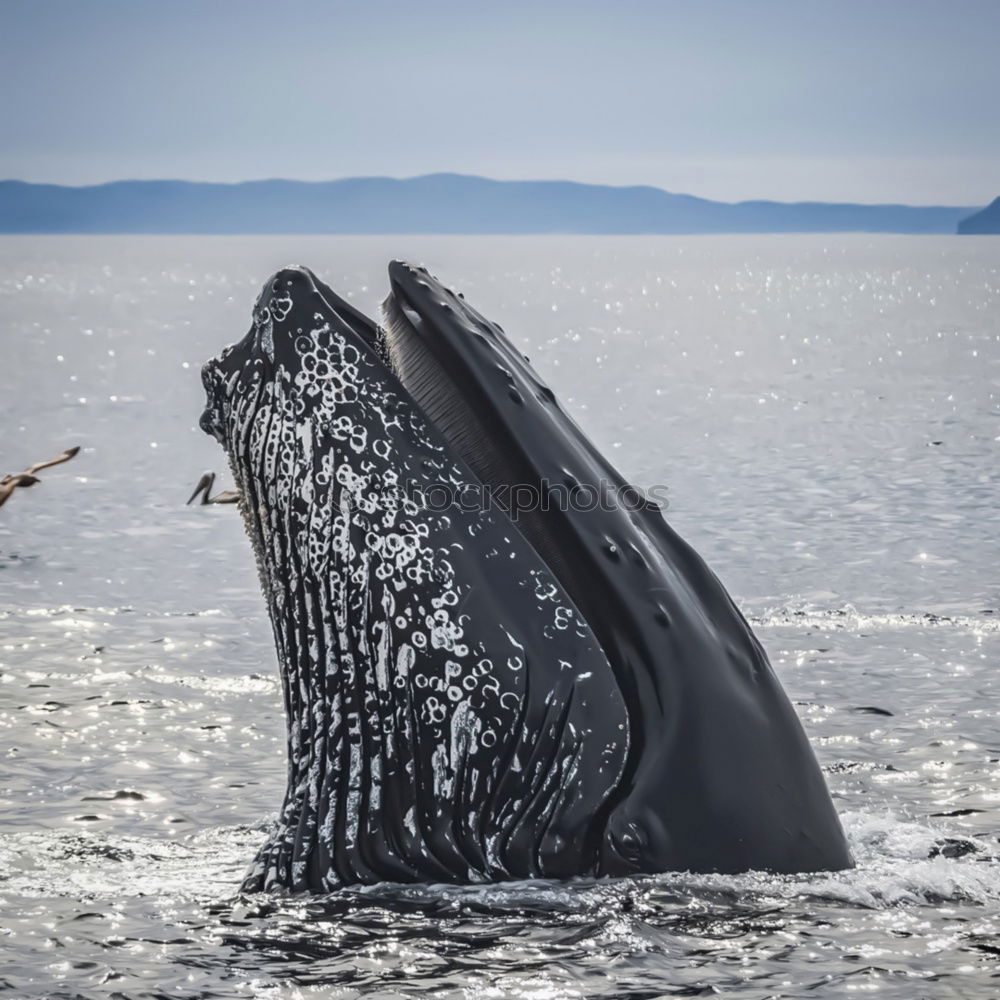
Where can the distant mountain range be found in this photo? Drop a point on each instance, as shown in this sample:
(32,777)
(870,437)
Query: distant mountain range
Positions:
(436,203)
(982,223)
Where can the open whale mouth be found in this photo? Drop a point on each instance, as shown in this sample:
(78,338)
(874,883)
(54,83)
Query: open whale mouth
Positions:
(531,675)
(530,464)
(527,463)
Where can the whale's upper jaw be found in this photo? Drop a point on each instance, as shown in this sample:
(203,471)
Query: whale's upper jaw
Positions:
(682,654)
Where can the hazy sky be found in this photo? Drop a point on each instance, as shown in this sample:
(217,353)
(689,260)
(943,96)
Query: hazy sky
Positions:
(867,100)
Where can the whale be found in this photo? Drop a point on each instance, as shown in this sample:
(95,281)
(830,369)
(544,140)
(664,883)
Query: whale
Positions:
(498,661)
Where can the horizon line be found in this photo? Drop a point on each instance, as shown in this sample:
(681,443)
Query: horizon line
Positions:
(478,177)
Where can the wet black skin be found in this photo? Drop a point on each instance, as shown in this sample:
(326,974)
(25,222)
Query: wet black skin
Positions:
(720,776)
(690,756)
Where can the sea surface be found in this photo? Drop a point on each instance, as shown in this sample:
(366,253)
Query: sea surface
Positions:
(825,413)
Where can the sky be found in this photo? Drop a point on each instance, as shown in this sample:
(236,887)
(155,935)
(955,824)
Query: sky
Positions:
(836,100)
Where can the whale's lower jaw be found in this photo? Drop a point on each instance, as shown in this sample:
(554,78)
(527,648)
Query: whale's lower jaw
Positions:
(469,698)
(450,715)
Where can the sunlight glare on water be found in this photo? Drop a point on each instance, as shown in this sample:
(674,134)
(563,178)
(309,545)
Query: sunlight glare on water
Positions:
(824,414)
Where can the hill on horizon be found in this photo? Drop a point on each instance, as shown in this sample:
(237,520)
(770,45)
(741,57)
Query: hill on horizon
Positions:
(433,203)
(986,222)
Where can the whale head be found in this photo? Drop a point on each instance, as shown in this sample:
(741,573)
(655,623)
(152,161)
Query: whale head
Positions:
(498,659)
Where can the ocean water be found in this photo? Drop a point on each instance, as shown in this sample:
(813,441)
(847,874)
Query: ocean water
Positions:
(825,413)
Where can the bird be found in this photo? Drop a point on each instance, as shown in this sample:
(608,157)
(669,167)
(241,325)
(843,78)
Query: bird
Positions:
(28,478)
(204,488)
